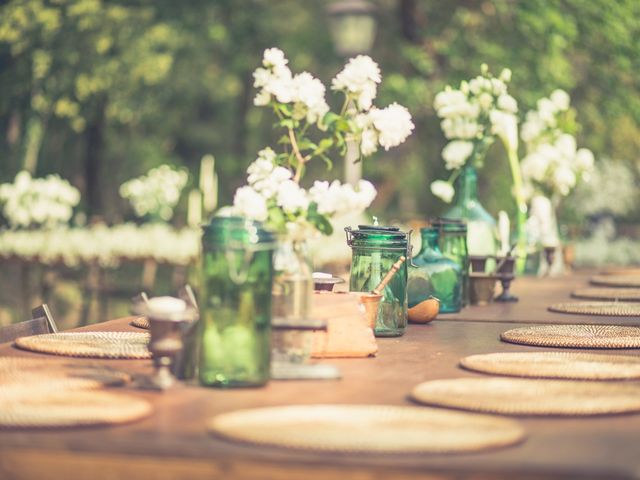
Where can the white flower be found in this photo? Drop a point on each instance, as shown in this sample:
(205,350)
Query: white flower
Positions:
(461,109)
(566,145)
(498,87)
(456,153)
(505,126)
(460,128)
(564,179)
(262,98)
(368,142)
(560,99)
(547,111)
(532,127)
(290,197)
(359,78)
(485,100)
(507,103)
(309,92)
(337,198)
(584,160)
(274,57)
(535,166)
(393,124)
(249,203)
(505,75)
(447,97)
(443,190)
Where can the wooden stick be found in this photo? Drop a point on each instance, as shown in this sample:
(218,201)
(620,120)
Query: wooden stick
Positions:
(387,278)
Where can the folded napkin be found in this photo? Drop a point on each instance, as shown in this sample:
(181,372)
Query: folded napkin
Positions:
(347,334)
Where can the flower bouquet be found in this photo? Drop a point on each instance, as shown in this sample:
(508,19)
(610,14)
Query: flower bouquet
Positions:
(311,131)
(552,167)
(473,117)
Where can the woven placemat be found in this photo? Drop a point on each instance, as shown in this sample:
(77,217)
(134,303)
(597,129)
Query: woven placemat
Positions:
(89,344)
(630,281)
(519,396)
(30,376)
(366,428)
(607,309)
(621,271)
(598,293)
(576,336)
(141,322)
(67,408)
(565,365)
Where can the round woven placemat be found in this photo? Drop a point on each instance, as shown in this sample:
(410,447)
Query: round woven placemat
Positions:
(578,336)
(607,309)
(68,408)
(29,376)
(89,344)
(630,281)
(366,428)
(565,365)
(621,271)
(520,396)
(597,293)
(141,322)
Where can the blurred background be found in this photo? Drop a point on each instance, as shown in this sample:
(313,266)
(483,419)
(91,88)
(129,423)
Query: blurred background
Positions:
(100,92)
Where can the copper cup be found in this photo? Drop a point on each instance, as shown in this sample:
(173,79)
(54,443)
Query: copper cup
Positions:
(370,303)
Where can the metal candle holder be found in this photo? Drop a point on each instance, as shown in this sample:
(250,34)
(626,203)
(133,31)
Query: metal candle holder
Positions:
(166,341)
(505,273)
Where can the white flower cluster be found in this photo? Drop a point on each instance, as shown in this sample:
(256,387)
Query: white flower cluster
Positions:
(303,91)
(558,166)
(387,127)
(107,246)
(541,123)
(38,202)
(157,193)
(443,190)
(553,163)
(271,186)
(479,109)
(359,79)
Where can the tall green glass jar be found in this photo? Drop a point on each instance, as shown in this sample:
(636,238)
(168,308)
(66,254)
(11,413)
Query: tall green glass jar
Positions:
(453,245)
(481,226)
(433,274)
(374,251)
(235,317)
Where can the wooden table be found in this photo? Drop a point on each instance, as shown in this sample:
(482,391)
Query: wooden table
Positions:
(173,443)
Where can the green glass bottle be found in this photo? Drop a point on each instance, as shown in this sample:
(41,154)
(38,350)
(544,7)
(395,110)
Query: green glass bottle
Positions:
(433,274)
(481,227)
(375,250)
(453,245)
(235,317)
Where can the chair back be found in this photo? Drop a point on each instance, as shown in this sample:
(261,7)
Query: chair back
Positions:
(42,322)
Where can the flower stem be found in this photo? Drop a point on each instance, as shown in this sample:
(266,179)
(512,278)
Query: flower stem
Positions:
(296,151)
(518,191)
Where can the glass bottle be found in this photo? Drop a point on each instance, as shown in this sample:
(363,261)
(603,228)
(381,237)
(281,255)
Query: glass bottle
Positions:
(481,227)
(293,282)
(433,274)
(374,251)
(235,317)
(453,245)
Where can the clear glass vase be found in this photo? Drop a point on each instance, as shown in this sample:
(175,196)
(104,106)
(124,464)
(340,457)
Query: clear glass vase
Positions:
(293,281)
(481,226)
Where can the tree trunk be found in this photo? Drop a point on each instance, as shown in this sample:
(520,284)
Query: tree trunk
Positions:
(94,135)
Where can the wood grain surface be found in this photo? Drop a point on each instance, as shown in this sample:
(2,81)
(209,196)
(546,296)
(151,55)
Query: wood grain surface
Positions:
(174,444)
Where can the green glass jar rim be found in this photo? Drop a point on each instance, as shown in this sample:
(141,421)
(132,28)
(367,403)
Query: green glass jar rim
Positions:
(238,233)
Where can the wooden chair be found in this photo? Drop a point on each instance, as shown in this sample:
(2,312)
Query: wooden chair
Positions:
(41,322)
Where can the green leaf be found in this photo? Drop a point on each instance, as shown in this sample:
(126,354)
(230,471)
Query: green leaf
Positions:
(318,220)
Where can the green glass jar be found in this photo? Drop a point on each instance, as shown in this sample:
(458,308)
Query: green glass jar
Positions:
(481,227)
(433,274)
(235,317)
(453,245)
(374,251)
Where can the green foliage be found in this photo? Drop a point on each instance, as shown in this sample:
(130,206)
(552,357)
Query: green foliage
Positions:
(171,81)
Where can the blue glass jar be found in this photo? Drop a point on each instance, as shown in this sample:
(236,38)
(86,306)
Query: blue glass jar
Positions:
(433,274)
